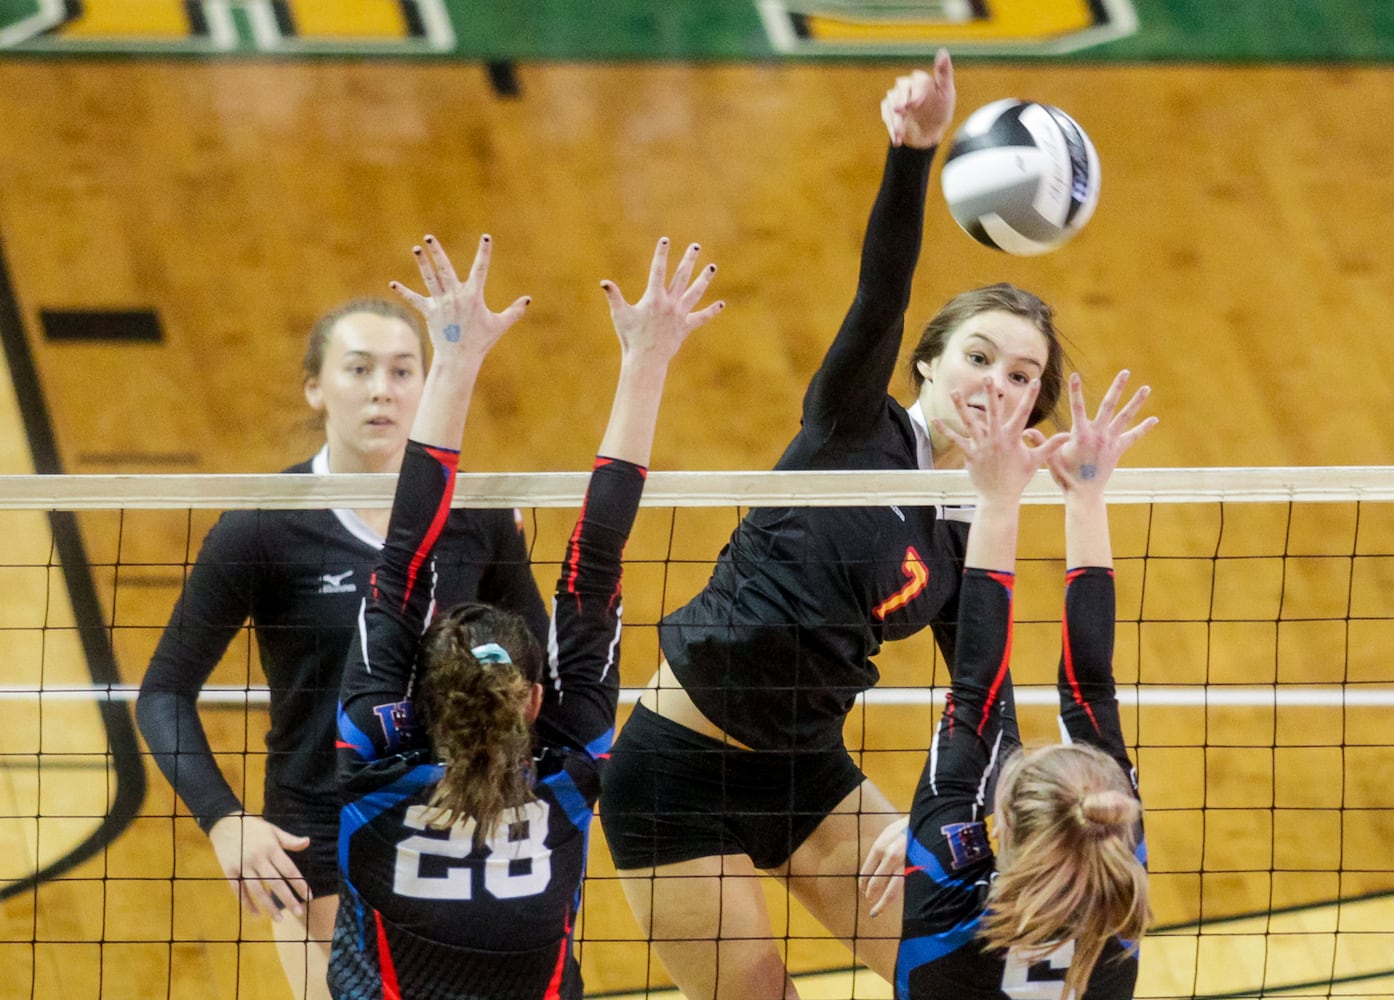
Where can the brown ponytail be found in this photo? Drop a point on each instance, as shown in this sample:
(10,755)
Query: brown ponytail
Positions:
(476,713)
(1068,826)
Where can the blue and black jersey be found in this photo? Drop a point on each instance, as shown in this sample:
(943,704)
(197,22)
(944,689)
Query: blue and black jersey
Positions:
(424,912)
(950,863)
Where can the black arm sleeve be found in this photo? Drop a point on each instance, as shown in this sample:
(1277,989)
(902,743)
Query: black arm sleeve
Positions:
(582,687)
(953,792)
(1088,704)
(508,582)
(849,389)
(375,713)
(215,603)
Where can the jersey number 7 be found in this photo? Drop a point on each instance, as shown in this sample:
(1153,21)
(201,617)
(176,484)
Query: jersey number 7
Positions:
(516,861)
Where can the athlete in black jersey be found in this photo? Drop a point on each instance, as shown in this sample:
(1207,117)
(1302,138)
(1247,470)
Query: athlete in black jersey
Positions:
(1058,911)
(468,769)
(734,762)
(300,576)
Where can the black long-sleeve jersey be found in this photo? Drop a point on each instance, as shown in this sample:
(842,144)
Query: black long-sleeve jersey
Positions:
(423,912)
(950,864)
(299,576)
(779,643)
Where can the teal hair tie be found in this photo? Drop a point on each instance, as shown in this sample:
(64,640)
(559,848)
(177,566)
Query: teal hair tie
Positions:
(491,652)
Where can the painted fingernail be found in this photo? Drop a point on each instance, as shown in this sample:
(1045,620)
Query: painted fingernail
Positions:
(663,240)
(484,238)
(430,239)
(711,268)
(416,250)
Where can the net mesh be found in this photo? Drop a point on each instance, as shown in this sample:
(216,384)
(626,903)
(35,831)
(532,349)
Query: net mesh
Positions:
(1252,659)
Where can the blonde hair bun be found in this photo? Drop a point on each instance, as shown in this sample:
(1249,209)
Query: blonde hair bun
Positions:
(1109,809)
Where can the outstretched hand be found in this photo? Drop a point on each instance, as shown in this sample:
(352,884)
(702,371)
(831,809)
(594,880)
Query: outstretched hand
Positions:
(1000,453)
(667,311)
(1092,448)
(456,316)
(918,109)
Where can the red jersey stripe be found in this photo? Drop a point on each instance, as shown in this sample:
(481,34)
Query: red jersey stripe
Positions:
(388,970)
(1007,580)
(450,460)
(554,987)
(1067,658)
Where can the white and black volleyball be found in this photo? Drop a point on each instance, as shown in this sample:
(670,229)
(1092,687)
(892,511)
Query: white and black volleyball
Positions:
(1021,177)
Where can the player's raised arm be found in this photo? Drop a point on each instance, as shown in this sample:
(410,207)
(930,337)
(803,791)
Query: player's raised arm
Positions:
(583,684)
(374,717)
(1082,468)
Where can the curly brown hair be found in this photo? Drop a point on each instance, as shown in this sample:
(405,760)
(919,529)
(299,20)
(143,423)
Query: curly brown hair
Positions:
(476,713)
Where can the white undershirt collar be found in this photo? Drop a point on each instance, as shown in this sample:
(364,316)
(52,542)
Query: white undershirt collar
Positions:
(924,450)
(353,524)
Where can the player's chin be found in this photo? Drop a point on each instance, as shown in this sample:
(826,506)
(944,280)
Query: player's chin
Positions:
(382,441)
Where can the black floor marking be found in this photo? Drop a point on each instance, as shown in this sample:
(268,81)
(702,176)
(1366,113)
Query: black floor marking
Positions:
(126,325)
(87,608)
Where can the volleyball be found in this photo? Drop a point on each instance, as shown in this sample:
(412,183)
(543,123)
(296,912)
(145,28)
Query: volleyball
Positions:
(1021,176)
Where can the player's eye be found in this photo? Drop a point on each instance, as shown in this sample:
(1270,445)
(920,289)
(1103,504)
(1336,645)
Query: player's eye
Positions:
(977,357)
(1021,378)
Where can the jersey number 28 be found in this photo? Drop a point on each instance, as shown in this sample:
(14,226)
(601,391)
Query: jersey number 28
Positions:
(520,836)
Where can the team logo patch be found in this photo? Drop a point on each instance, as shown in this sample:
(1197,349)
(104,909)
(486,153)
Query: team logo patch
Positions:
(337,583)
(968,843)
(398,720)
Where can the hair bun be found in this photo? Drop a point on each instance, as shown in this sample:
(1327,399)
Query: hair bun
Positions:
(1109,808)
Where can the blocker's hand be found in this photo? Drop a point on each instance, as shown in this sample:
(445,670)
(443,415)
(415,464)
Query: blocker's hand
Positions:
(883,872)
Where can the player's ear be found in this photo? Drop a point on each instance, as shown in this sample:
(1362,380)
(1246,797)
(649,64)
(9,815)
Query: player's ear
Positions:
(314,393)
(926,370)
(534,703)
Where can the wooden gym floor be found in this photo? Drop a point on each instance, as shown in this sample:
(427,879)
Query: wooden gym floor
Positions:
(1238,264)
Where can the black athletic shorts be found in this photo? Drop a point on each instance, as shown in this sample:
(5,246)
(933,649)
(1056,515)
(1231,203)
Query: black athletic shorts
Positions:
(670,794)
(318,863)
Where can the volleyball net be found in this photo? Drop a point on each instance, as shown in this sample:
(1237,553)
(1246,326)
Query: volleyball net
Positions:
(1253,658)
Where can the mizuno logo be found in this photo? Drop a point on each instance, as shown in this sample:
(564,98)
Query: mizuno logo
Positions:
(333,583)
